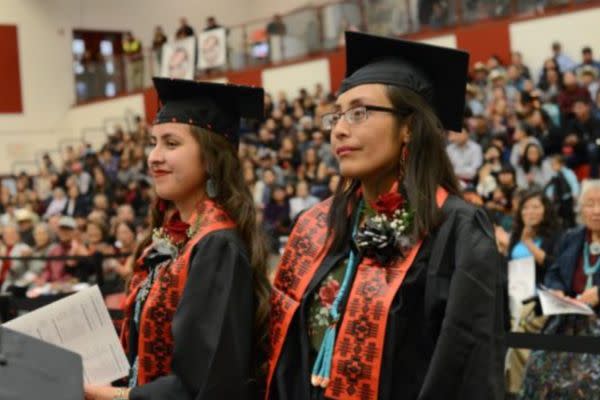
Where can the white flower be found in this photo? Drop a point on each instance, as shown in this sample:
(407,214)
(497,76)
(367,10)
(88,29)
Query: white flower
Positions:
(404,241)
(163,246)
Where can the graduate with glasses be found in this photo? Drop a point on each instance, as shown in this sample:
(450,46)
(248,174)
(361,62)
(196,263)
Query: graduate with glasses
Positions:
(392,288)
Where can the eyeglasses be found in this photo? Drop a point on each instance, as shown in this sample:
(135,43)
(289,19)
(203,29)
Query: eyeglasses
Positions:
(353,116)
(590,204)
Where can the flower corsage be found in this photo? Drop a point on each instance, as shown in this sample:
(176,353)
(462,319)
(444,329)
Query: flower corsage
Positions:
(170,239)
(387,232)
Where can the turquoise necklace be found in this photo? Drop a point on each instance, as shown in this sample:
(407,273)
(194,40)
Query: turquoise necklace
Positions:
(322,367)
(589,270)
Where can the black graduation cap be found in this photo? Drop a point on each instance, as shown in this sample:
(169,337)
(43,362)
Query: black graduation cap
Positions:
(213,106)
(438,74)
(32,369)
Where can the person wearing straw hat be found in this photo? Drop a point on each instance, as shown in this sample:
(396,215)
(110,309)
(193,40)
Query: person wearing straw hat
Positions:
(26,219)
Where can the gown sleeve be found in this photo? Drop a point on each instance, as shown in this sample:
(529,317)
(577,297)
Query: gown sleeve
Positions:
(468,359)
(212,327)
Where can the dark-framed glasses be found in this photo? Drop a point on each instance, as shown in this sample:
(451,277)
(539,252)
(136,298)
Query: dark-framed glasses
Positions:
(353,116)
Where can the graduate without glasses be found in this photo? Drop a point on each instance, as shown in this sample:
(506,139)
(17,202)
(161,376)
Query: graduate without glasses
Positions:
(196,313)
(392,288)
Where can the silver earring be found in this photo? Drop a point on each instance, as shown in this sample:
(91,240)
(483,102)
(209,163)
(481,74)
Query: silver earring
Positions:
(211,188)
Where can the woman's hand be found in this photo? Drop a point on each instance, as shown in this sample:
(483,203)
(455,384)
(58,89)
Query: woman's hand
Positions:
(527,234)
(502,239)
(492,205)
(125,270)
(78,249)
(590,296)
(104,392)
(485,171)
(527,237)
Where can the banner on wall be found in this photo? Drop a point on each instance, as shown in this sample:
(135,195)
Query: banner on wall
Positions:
(178,59)
(212,48)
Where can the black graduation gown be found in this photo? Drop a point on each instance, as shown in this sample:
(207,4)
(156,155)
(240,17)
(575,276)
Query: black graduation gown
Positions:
(212,327)
(444,336)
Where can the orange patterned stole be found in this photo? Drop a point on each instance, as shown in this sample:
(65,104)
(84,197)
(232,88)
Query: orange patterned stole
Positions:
(359,346)
(155,340)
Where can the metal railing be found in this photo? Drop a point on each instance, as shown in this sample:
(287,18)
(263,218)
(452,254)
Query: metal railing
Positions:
(311,30)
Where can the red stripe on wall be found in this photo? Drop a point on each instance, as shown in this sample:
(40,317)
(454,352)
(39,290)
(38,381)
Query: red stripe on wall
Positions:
(250,77)
(484,40)
(10,75)
(150,104)
(337,68)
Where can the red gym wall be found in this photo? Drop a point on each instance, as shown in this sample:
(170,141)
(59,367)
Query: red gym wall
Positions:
(150,104)
(497,41)
(10,76)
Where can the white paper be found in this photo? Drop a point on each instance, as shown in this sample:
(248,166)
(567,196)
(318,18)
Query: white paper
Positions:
(521,283)
(553,304)
(80,323)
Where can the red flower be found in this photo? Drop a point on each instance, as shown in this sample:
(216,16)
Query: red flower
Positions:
(388,203)
(176,229)
(328,292)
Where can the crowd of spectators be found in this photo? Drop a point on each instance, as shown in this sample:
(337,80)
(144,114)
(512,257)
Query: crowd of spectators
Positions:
(525,132)
(521,133)
(527,144)
(92,203)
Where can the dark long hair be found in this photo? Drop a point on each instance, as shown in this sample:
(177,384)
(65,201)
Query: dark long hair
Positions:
(546,229)
(544,84)
(236,200)
(426,168)
(525,163)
